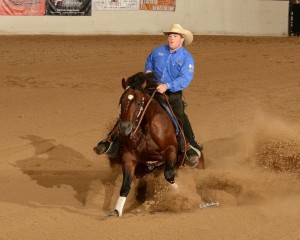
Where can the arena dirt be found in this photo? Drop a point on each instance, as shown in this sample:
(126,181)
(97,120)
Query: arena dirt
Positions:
(59,96)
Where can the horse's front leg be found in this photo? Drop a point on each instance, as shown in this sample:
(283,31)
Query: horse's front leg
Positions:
(129,162)
(170,164)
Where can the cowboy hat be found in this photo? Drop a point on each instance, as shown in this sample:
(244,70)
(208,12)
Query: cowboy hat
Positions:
(176,28)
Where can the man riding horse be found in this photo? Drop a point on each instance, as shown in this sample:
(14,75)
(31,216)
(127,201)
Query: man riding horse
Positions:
(173,66)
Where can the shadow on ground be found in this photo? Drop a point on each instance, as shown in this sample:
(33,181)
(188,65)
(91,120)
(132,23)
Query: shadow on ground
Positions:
(56,165)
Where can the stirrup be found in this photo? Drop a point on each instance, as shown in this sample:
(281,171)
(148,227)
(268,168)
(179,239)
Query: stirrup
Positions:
(102,147)
(109,147)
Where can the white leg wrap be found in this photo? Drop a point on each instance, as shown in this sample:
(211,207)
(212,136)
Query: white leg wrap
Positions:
(120,204)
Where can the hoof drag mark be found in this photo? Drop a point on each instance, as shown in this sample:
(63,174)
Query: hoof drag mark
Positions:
(214,187)
(161,196)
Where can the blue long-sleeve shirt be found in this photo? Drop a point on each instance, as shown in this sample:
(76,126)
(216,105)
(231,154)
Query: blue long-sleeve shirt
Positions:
(175,69)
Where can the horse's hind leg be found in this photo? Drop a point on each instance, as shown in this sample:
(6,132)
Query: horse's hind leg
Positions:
(170,165)
(170,172)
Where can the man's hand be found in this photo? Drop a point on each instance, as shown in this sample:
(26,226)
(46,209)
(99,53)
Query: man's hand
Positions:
(161,88)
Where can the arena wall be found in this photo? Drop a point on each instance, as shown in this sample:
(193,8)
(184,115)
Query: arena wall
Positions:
(202,17)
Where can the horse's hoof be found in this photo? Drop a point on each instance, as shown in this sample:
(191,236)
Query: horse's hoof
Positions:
(114,213)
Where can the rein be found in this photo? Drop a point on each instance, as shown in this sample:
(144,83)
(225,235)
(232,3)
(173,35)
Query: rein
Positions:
(132,135)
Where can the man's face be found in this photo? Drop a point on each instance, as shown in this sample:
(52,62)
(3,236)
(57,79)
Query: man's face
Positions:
(175,41)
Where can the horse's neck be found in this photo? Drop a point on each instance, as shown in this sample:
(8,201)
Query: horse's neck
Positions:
(154,108)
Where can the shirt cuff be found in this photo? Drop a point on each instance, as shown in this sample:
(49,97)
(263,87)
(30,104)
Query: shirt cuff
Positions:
(168,85)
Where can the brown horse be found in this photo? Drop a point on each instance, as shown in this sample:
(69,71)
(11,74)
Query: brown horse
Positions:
(147,134)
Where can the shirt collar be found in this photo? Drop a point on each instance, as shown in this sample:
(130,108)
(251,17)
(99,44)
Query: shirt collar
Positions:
(178,50)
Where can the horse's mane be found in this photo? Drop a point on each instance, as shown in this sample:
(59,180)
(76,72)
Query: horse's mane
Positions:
(144,82)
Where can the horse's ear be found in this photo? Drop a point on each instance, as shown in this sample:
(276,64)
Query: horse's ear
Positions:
(124,85)
(144,84)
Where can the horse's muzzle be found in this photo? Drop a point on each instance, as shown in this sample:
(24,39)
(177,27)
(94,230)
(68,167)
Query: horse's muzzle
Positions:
(125,127)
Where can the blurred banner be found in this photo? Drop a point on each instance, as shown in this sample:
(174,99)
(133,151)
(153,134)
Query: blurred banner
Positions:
(158,5)
(116,4)
(69,7)
(22,7)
